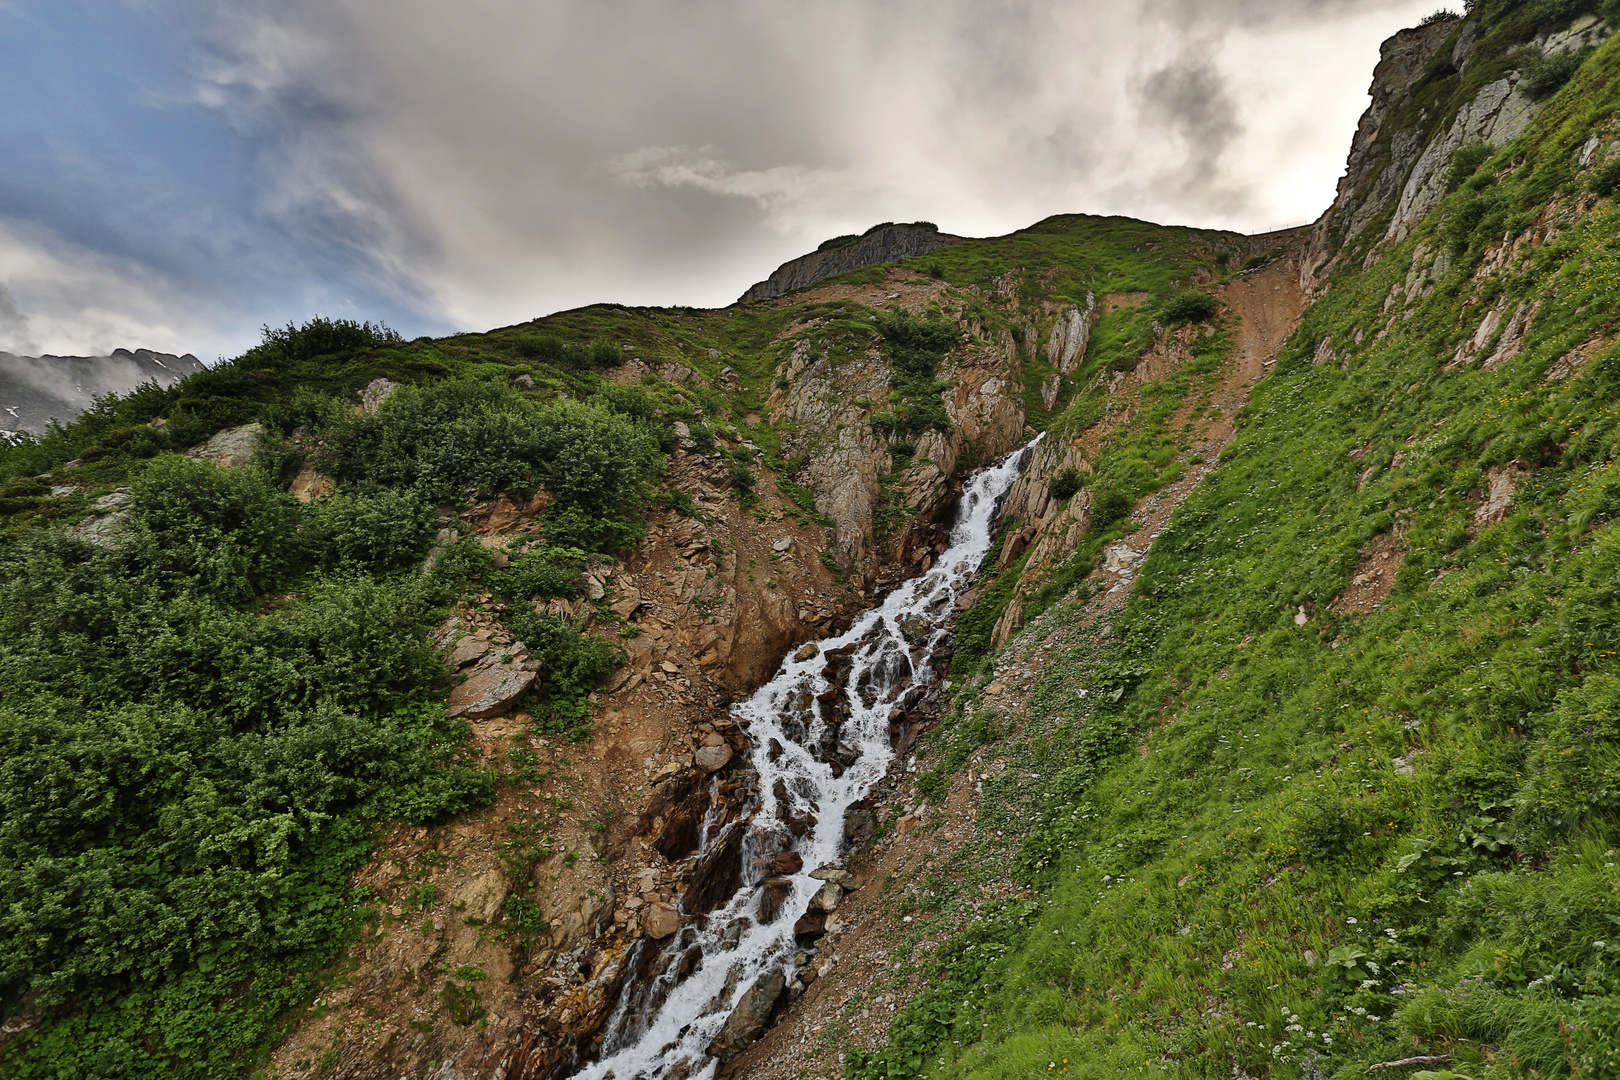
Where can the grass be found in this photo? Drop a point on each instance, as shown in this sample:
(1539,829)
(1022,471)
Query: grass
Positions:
(1301,850)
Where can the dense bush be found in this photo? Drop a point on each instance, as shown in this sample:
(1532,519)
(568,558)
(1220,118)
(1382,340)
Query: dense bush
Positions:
(1189,306)
(184,776)
(550,572)
(916,348)
(1606,178)
(450,439)
(1108,507)
(572,664)
(1465,162)
(1543,75)
(547,347)
(1066,484)
(378,531)
(605,354)
(228,534)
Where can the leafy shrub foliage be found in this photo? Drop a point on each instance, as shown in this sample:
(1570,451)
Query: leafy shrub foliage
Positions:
(1543,75)
(1189,306)
(1067,484)
(184,776)
(1109,506)
(1465,162)
(453,438)
(550,573)
(916,348)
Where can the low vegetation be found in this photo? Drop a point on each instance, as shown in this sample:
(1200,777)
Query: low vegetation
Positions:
(1261,837)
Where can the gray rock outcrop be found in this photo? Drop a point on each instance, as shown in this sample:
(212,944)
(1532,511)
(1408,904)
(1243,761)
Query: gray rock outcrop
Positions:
(504,673)
(231,448)
(882,244)
(1401,170)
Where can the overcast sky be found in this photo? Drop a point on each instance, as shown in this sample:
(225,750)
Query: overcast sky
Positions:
(174,173)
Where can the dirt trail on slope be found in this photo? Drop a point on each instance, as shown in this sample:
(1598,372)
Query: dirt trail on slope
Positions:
(853,1005)
(1267,305)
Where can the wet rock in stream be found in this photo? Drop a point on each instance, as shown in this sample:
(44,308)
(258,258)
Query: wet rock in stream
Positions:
(749,1019)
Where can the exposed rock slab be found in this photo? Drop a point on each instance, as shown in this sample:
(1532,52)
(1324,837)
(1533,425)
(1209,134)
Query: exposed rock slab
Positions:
(749,1019)
(490,691)
(231,448)
(884,244)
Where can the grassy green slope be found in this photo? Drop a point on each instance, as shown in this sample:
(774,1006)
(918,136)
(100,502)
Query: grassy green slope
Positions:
(200,729)
(1356,840)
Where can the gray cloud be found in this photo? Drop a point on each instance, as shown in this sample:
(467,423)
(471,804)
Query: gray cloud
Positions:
(14,335)
(483,162)
(1190,101)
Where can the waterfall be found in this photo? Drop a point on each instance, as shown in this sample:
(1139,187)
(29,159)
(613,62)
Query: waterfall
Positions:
(834,740)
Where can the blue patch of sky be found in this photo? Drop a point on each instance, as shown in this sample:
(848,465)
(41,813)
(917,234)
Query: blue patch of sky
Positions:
(104,146)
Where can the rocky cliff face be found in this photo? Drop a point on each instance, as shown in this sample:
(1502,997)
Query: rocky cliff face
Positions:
(1437,88)
(36,389)
(886,243)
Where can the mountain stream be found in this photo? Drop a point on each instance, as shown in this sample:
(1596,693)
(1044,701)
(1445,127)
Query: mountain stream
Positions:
(829,743)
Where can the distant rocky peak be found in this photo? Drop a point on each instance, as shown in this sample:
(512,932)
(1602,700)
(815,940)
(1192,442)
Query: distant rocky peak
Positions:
(36,389)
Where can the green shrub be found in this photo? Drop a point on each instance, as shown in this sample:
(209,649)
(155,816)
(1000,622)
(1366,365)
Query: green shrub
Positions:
(546,347)
(378,531)
(22,493)
(441,441)
(742,477)
(1066,484)
(1542,76)
(453,566)
(458,436)
(316,338)
(184,783)
(1109,506)
(550,572)
(228,533)
(596,460)
(1189,306)
(605,354)
(1465,162)
(1605,179)
(916,348)
(525,915)
(571,664)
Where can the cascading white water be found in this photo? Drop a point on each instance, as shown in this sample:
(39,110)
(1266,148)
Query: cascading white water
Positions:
(674,1039)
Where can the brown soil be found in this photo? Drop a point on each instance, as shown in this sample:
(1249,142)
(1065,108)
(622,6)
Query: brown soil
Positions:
(1374,577)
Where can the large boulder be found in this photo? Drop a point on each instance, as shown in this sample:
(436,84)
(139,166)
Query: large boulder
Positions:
(747,1021)
(490,691)
(773,894)
(827,898)
(231,448)
(660,920)
(466,651)
(376,392)
(835,874)
(712,758)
